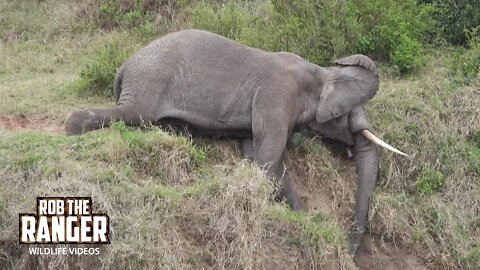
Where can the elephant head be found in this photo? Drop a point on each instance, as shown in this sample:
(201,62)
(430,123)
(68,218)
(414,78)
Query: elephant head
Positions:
(341,115)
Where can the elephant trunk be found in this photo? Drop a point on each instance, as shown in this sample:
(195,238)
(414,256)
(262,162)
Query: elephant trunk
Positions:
(367,169)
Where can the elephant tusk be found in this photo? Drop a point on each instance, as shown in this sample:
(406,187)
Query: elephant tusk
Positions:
(381,143)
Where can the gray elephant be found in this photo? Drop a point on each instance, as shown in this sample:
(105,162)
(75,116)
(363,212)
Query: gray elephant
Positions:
(216,86)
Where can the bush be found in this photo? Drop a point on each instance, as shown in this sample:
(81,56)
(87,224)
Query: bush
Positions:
(320,30)
(465,63)
(145,18)
(99,73)
(454,16)
(111,14)
(307,28)
(317,30)
(393,31)
(229,20)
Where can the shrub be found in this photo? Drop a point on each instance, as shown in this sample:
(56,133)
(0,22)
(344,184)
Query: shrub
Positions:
(99,73)
(146,18)
(229,20)
(454,16)
(320,30)
(393,31)
(127,14)
(465,63)
(317,30)
(310,28)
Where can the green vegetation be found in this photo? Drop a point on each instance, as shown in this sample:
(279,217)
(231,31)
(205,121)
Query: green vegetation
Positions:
(389,31)
(453,17)
(465,63)
(318,230)
(98,74)
(429,181)
(394,31)
(178,203)
(320,30)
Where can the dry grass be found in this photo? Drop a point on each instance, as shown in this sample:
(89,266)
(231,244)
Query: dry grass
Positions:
(225,218)
(430,201)
(43,20)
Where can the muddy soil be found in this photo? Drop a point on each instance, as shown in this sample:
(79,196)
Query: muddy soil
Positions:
(37,122)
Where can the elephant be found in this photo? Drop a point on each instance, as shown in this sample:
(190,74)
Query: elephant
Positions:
(215,86)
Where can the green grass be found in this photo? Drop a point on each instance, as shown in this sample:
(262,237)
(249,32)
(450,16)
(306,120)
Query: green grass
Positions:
(318,230)
(40,78)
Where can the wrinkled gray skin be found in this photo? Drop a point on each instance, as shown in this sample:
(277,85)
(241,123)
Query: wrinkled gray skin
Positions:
(216,86)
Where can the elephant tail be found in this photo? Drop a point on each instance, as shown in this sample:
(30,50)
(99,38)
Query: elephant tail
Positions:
(117,86)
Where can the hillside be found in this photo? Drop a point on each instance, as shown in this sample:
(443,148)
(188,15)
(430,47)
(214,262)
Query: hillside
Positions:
(177,202)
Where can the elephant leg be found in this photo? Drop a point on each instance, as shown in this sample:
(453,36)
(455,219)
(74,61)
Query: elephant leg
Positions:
(79,122)
(287,191)
(268,153)
(246,147)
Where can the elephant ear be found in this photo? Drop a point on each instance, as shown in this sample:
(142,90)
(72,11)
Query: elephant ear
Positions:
(350,84)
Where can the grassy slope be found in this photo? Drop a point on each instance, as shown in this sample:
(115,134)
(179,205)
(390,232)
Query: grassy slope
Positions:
(430,201)
(203,196)
(160,190)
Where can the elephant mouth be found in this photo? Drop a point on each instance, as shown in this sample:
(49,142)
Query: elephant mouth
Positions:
(374,139)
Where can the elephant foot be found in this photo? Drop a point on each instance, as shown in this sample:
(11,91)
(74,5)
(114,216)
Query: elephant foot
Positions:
(356,236)
(291,196)
(246,147)
(295,205)
(79,122)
